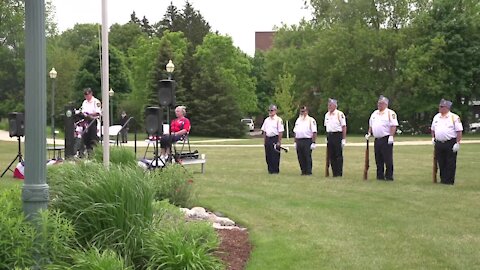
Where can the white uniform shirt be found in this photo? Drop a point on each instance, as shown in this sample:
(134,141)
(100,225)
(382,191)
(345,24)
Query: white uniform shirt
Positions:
(305,127)
(92,106)
(272,126)
(334,121)
(446,127)
(380,122)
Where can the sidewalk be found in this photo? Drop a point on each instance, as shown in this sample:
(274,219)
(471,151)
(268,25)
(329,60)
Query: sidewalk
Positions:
(4,136)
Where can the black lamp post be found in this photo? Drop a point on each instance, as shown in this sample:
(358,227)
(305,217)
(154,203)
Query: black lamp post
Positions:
(53,76)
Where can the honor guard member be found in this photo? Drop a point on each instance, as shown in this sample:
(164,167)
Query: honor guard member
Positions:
(91,109)
(305,135)
(272,134)
(336,128)
(383,125)
(446,136)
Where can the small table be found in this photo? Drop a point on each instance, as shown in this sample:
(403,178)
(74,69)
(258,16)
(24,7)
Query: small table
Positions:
(57,151)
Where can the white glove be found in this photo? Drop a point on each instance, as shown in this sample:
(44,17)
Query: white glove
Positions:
(294,145)
(344,142)
(456,147)
(390,139)
(312,146)
(326,140)
(433,141)
(367,136)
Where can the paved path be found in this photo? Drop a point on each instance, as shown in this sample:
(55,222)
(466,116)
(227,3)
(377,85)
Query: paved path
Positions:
(142,143)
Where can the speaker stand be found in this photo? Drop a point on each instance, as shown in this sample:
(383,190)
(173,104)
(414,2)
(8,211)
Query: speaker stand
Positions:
(19,157)
(156,157)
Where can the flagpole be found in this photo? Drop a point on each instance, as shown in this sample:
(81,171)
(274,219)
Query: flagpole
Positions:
(105,86)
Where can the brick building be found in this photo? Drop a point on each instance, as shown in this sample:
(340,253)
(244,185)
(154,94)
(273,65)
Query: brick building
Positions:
(264,40)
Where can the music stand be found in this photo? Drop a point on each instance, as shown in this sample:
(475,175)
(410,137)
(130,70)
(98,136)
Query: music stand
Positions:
(19,156)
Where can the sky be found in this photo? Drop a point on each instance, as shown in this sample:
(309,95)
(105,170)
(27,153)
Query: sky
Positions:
(239,19)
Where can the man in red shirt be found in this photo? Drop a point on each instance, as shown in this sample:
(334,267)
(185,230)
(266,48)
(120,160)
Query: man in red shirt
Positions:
(179,128)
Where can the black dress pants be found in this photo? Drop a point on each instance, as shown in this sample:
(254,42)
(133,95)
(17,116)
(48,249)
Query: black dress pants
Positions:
(272,156)
(384,158)
(447,161)
(90,138)
(335,152)
(304,155)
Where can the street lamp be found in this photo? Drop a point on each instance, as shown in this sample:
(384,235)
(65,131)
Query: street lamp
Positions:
(170,67)
(53,76)
(111,93)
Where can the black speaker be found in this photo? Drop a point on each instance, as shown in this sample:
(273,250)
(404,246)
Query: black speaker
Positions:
(166,93)
(153,121)
(16,124)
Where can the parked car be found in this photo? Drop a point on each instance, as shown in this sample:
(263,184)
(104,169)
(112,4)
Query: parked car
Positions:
(474,127)
(249,123)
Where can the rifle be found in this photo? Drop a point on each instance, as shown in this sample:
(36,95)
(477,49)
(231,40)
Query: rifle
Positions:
(277,148)
(327,162)
(367,163)
(435,167)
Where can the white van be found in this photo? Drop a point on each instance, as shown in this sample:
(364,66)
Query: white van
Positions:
(249,123)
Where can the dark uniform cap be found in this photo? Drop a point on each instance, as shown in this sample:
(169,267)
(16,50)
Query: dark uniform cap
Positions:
(383,99)
(87,91)
(445,103)
(332,101)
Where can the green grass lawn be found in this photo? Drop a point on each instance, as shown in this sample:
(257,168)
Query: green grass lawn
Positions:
(299,222)
(315,222)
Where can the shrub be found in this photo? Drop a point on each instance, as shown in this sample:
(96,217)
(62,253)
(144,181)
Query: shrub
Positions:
(173,183)
(176,244)
(118,155)
(54,238)
(21,239)
(93,259)
(16,233)
(110,208)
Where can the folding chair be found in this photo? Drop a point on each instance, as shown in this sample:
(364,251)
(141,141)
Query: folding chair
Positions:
(181,149)
(114,131)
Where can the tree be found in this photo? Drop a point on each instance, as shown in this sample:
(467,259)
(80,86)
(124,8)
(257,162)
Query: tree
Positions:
(81,37)
(214,112)
(233,67)
(89,74)
(223,92)
(444,60)
(264,88)
(172,47)
(284,98)
(189,21)
(12,64)
(143,61)
(124,37)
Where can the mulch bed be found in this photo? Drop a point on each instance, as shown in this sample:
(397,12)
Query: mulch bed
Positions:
(234,248)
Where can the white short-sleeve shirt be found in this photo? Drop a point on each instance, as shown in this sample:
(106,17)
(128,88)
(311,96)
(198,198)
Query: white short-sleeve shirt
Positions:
(305,127)
(381,122)
(334,121)
(92,106)
(445,127)
(272,126)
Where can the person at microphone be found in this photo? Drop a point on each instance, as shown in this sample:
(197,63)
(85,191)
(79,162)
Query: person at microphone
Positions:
(91,109)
